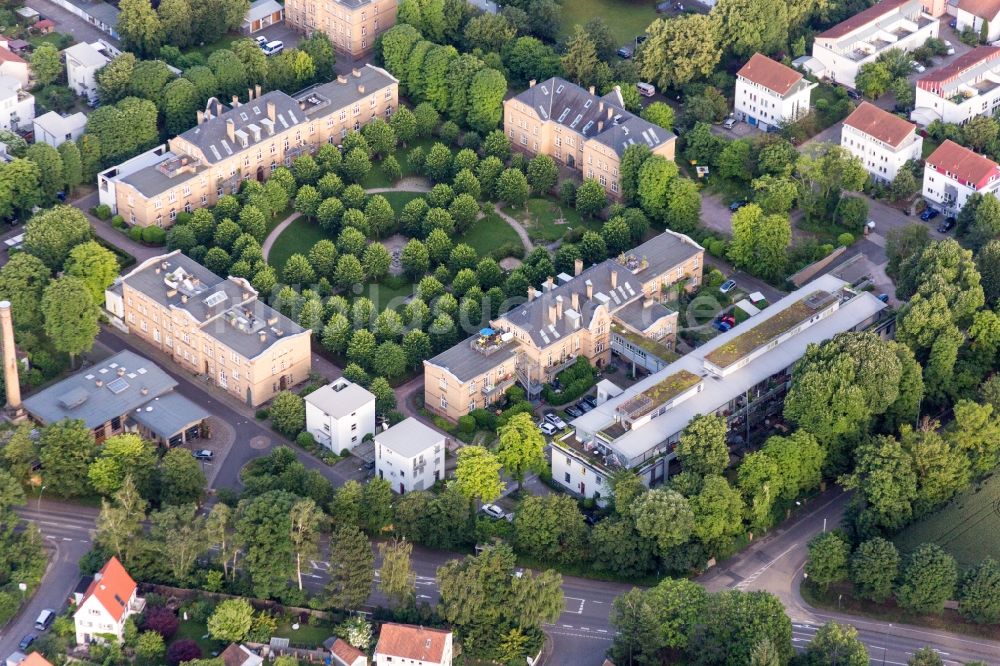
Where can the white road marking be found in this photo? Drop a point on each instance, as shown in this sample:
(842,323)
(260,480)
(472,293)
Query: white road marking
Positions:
(743,584)
(579,609)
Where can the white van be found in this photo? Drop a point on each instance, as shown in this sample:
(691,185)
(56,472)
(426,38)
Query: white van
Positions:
(45,619)
(273,48)
(645,89)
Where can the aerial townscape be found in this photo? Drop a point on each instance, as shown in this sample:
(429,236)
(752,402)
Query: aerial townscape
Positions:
(469,332)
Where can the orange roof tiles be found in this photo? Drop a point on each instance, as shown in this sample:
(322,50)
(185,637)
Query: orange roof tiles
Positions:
(6,55)
(113,588)
(411,642)
(769,73)
(986,9)
(879,123)
(963,165)
(861,19)
(35,659)
(346,652)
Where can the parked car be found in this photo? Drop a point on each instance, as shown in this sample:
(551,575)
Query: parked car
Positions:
(45,619)
(261,40)
(203,454)
(26,641)
(730,123)
(273,48)
(625,52)
(947,225)
(853,94)
(554,419)
(584,406)
(645,89)
(589,400)
(736,205)
(639,39)
(929,214)
(493,511)
(725,322)
(917,67)
(574,411)
(953,23)
(949,49)
(884,298)
(663,7)
(727,286)
(547,428)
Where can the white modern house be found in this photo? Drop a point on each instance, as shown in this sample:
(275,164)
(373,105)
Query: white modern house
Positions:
(340,414)
(412,645)
(883,142)
(966,88)
(13,65)
(54,129)
(769,94)
(974,13)
(742,375)
(109,601)
(410,456)
(890,24)
(953,173)
(17,106)
(82,62)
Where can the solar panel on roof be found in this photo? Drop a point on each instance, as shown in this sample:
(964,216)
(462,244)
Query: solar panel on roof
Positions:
(118,385)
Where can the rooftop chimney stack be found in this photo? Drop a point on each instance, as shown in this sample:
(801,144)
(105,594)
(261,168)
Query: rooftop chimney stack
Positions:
(201,117)
(272,111)
(552,313)
(590,289)
(256,91)
(559,307)
(591,90)
(236,101)
(14,411)
(576,301)
(577,266)
(231,129)
(531,292)
(614,279)
(356,73)
(531,83)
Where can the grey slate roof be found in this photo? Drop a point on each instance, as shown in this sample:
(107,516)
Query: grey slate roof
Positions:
(337,94)
(169,414)
(664,252)
(465,362)
(591,116)
(640,315)
(236,320)
(87,55)
(150,181)
(79,396)
(409,437)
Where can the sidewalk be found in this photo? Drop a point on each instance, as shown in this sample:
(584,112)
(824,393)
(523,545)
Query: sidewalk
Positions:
(105,231)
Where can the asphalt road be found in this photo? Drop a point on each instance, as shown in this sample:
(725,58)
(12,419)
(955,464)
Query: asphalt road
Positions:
(67,529)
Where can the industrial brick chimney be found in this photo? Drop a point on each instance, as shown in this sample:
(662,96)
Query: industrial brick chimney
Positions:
(14,411)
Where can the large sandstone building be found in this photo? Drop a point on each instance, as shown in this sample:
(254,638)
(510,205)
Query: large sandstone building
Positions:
(352,25)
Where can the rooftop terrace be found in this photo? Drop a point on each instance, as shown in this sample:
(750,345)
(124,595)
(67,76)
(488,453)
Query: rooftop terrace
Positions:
(663,391)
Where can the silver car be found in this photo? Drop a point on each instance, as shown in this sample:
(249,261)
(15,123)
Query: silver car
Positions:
(547,428)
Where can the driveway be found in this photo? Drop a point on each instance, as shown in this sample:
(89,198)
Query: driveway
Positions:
(715,213)
(69,23)
(282,32)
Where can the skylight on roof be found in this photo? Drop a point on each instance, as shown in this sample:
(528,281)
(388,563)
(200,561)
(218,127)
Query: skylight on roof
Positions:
(587,104)
(562,116)
(545,90)
(243,116)
(256,110)
(118,385)
(576,120)
(560,88)
(215,298)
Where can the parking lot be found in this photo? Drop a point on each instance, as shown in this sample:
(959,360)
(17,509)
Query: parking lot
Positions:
(219,441)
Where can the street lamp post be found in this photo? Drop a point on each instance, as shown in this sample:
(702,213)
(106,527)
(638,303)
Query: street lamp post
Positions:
(40,491)
(24,588)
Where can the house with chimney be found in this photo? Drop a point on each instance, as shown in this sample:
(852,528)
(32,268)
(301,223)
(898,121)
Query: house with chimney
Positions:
(214,327)
(617,305)
(890,24)
(242,141)
(953,173)
(413,645)
(883,141)
(110,600)
(770,94)
(353,26)
(581,130)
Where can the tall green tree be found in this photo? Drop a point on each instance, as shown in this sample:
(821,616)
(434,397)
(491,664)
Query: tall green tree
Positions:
(51,234)
(139,27)
(96,265)
(477,475)
(119,524)
(836,645)
(121,456)
(874,567)
(928,580)
(71,317)
(264,525)
(179,532)
(46,63)
(760,242)
(703,449)
(352,568)
(397,580)
(521,447)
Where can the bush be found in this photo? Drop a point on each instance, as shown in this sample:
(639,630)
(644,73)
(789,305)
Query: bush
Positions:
(306,440)
(576,380)
(135,233)
(449,132)
(101,211)
(261,414)
(183,650)
(467,424)
(508,250)
(485,419)
(845,239)
(118,222)
(567,193)
(472,140)
(161,620)
(154,235)
(443,424)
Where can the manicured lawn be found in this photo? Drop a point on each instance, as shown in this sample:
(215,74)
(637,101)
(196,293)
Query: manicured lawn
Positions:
(968,527)
(626,18)
(376,178)
(548,220)
(305,636)
(223,42)
(389,292)
(929,146)
(56,39)
(399,199)
(489,233)
(197,631)
(299,237)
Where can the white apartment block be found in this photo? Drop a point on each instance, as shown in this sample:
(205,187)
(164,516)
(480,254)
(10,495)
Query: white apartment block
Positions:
(974,13)
(966,88)
(340,414)
(883,142)
(17,106)
(953,173)
(769,94)
(410,456)
(742,374)
(82,62)
(890,24)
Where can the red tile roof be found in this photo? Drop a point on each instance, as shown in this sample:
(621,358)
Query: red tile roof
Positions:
(862,18)
(933,80)
(6,55)
(408,641)
(881,124)
(769,73)
(113,588)
(346,652)
(35,659)
(986,9)
(963,165)
(45,23)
